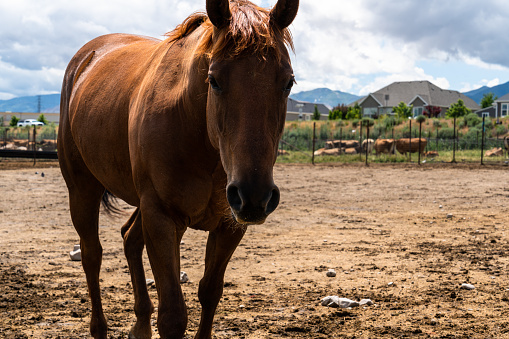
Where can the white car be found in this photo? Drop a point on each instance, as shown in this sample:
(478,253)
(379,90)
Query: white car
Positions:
(29,122)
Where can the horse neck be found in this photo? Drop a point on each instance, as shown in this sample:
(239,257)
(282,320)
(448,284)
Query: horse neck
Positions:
(189,72)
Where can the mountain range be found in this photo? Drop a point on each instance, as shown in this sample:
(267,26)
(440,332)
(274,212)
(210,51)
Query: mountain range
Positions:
(325,96)
(51,103)
(498,91)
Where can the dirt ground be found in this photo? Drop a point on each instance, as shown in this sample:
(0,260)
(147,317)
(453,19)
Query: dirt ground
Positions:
(384,229)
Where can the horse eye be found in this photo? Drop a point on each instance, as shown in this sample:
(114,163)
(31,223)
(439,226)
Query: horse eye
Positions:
(288,87)
(213,83)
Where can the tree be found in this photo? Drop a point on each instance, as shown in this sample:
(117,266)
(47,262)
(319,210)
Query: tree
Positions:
(432,111)
(457,110)
(353,112)
(14,121)
(488,99)
(316,114)
(338,112)
(42,119)
(403,111)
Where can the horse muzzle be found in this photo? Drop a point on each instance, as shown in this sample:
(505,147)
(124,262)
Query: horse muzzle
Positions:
(250,204)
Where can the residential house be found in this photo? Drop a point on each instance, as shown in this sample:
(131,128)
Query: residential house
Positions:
(499,109)
(302,110)
(419,94)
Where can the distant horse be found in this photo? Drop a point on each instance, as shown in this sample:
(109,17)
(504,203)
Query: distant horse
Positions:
(186,130)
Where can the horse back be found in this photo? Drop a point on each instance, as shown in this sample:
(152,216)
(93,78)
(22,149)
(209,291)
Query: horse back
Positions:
(98,86)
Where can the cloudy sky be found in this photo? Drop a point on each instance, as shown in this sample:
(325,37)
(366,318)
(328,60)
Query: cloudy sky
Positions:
(352,46)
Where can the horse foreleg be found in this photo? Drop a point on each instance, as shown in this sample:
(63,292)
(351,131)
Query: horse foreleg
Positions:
(221,244)
(84,207)
(133,248)
(162,239)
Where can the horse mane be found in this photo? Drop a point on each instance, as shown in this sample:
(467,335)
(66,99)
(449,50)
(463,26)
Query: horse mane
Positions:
(249,32)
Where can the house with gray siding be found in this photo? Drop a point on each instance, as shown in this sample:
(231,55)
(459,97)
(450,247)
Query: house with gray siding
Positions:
(419,94)
(302,110)
(502,105)
(499,109)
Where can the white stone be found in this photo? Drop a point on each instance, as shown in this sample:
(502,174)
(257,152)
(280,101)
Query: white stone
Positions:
(335,301)
(183,277)
(467,286)
(75,254)
(449,216)
(366,302)
(150,282)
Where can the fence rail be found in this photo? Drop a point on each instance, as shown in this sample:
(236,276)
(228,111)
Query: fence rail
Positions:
(28,154)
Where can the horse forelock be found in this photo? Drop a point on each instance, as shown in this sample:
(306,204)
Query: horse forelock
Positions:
(248,33)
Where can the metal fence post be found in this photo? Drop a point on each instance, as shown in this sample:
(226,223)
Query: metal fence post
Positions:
(454,141)
(314,140)
(33,146)
(482,141)
(367,142)
(410,143)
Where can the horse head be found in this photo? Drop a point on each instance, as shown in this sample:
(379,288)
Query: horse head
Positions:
(250,77)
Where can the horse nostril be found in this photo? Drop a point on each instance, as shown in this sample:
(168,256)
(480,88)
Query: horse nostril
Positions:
(233,196)
(273,201)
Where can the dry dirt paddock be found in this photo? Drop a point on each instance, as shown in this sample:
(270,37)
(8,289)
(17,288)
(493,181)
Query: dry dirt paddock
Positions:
(383,229)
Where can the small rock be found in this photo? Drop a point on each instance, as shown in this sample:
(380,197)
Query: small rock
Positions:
(75,254)
(467,286)
(449,216)
(335,301)
(331,273)
(42,174)
(183,277)
(150,282)
(440,206)
(390,284)
(365,302)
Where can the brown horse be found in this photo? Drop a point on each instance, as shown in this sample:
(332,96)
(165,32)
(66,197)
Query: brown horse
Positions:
(186,130)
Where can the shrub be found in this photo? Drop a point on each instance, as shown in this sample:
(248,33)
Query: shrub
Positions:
(500,130)
(446,133)
(14,121)
(472,120)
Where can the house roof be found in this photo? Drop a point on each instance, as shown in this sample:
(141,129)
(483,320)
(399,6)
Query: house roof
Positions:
(307,107)
(490,109)
(408,91)
(503,98)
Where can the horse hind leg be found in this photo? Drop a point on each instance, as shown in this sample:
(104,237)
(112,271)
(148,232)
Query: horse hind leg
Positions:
(133,248)
(84,204)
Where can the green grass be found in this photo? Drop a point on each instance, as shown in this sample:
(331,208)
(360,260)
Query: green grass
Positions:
(470,156)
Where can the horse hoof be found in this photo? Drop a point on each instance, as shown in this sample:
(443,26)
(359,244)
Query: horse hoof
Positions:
(139,336)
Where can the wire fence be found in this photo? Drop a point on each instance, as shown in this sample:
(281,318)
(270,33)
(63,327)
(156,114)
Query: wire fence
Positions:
(30,138)
(300,143)
(307,142)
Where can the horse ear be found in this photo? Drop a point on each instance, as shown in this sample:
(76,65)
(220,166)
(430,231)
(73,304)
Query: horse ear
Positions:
(218,12)
(284,12)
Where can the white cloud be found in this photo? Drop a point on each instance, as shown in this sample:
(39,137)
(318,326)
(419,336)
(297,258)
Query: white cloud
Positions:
(484,82)
(354,46)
